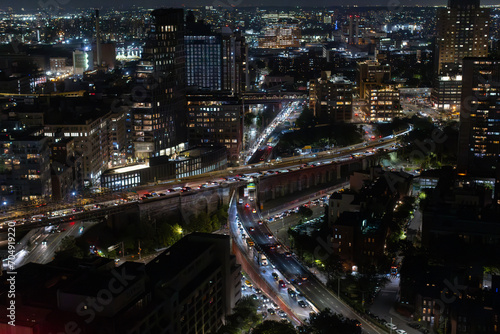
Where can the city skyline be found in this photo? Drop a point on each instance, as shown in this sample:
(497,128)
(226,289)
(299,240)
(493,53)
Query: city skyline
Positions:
(94,4)
(227,169)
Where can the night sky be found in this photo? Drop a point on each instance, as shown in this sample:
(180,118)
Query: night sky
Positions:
(70,4)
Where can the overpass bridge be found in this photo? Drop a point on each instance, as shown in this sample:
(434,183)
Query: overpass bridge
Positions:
(256,98)
(183,206)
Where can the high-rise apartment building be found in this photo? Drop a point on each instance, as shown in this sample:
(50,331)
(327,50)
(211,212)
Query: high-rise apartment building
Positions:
(167,83)
(372,74)
(462,31)
(234,62)
(331,97)
(25,167)
(92,142)
(216,120)
(384,104)
(215,61)
(479,138)
(204,62)
(141,113)
(283,33)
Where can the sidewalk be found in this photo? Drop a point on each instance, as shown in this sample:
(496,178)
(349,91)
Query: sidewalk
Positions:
(319,274)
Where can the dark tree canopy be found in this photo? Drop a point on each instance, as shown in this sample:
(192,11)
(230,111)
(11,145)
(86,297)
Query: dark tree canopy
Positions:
(274,327)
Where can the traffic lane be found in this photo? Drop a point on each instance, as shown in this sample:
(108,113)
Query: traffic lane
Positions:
(287,265)
(41,237)
(267,274)
(290,267)
(301,160)
(281,294)
(320,295)
(44,253)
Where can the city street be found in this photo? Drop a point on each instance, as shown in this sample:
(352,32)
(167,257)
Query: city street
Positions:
(46,241)
(284,262)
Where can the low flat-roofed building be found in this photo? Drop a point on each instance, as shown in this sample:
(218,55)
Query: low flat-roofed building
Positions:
(191,162)
(331,97)
(216,120)
(189,288)
(25,167)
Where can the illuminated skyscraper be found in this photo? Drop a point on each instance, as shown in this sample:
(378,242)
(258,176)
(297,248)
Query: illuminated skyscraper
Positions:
(462,31)
(167,83)
(216,61)
(479,141)
(331,97)
(204,62)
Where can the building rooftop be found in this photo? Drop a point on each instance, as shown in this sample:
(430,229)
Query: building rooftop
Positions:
(183,253)
(42,291)
(126,169)
(90,282)
(24,135)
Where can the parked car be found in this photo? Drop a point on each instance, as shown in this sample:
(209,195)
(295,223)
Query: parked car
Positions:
(390,325)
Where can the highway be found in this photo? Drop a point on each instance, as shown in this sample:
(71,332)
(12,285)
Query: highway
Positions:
(40,246)
(292,269)
(272,134)
(219,178)
(282,117)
